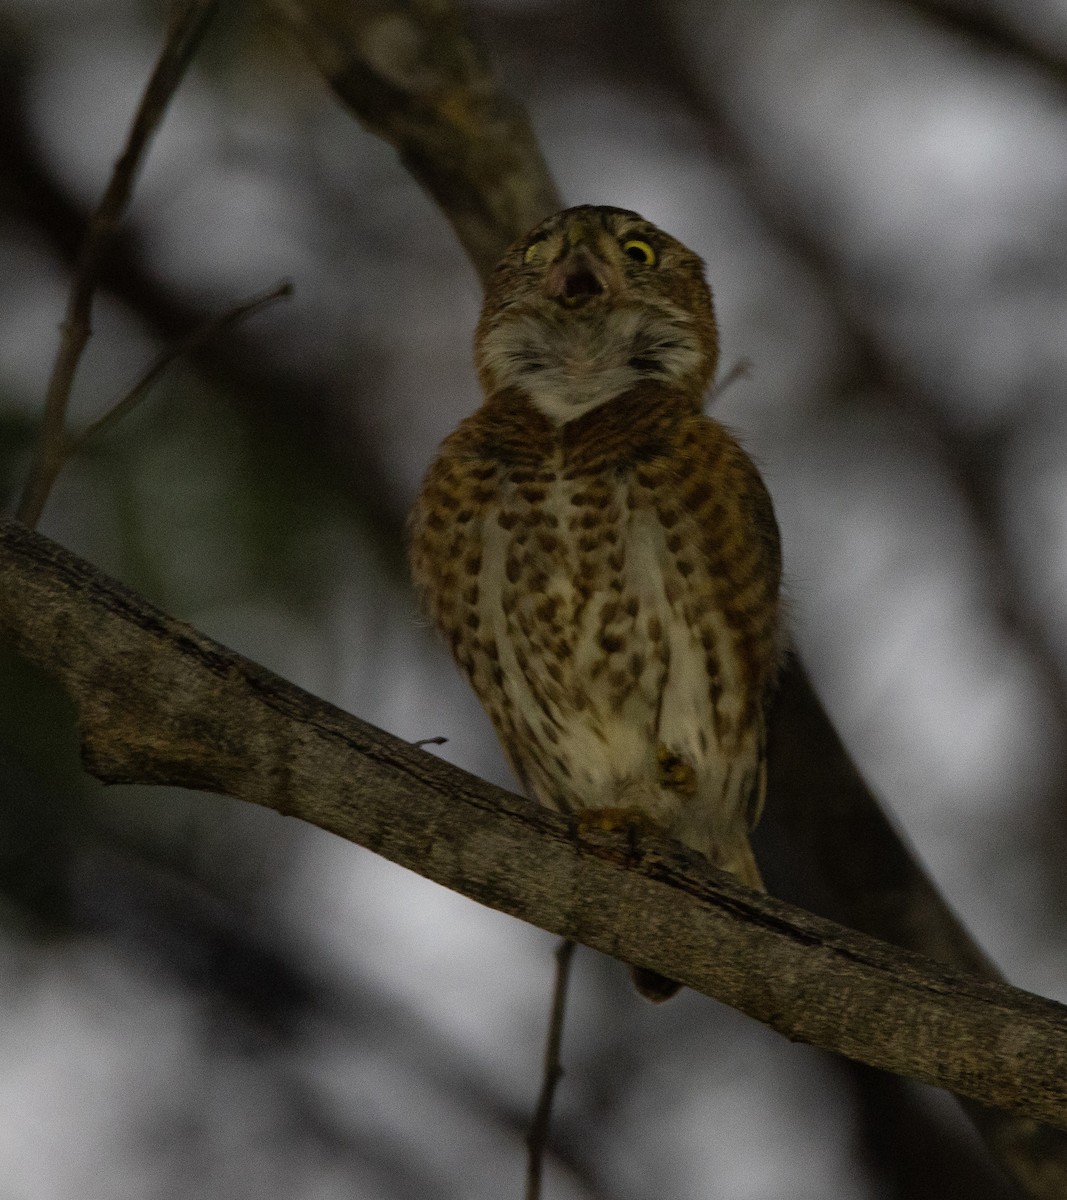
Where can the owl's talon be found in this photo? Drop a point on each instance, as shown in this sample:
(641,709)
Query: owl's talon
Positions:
(676,772)
(635,821)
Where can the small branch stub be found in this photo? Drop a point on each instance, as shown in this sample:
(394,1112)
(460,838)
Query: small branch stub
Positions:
(551,1074)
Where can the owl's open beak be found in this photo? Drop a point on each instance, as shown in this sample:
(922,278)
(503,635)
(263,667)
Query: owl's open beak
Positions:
(577,277)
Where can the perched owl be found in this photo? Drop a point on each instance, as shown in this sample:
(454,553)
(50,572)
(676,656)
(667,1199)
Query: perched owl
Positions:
(602,557)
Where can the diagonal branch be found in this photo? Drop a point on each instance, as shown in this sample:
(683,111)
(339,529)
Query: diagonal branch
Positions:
(74,443)
(182,40)
(160,703)
(413,75)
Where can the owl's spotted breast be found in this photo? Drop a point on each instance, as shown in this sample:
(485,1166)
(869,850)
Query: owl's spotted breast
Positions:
(612,596)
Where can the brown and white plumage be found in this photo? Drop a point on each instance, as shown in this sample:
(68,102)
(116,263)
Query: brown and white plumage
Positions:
(602,557)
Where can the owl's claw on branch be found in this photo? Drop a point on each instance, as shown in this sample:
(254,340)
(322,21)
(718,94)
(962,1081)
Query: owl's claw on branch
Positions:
(676,772)
(608,820)
(635,822)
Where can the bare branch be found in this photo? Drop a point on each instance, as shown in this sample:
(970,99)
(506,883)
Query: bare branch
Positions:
(300,401)
(182,40)
(412,75)
(192,341)
(739,370)
(552,1073)
(160,703)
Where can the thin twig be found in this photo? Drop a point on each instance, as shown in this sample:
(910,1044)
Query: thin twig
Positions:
(192,341)
(552,1073)
(183,37)
(741,369)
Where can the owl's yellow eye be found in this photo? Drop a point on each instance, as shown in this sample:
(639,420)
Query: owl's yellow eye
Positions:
(640,252)
(532,251)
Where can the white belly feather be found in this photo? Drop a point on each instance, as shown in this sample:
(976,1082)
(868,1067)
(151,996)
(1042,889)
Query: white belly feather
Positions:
(594,723)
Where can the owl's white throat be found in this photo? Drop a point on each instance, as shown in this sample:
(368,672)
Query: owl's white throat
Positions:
(572,362)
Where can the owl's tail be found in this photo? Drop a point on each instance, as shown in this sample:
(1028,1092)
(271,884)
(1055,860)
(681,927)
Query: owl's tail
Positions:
(741,863)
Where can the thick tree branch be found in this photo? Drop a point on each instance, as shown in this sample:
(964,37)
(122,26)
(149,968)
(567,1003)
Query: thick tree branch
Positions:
(160,703)
(411,74)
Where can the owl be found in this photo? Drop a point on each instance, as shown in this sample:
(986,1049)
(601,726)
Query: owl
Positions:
(602,557)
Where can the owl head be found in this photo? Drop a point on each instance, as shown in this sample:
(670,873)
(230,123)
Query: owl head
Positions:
(590,304)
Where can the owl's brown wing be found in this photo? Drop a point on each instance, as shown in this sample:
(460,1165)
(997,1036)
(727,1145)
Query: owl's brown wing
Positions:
(444,542)
(720,487)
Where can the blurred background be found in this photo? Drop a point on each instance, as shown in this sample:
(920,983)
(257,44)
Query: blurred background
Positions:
(199,999)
